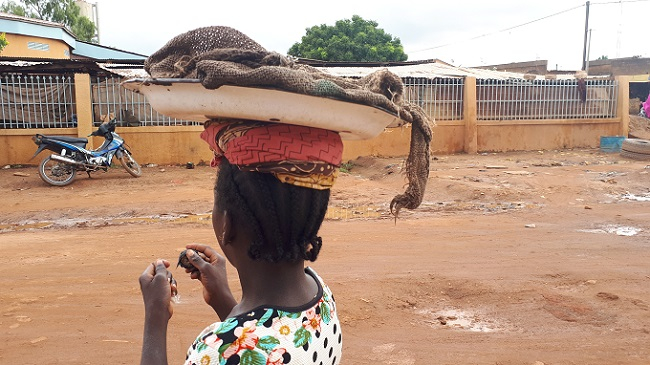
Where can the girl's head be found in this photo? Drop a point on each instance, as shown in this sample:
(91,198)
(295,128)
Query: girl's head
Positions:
(281,221)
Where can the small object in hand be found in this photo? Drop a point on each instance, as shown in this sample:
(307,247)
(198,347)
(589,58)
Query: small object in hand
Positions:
(176,298)
(173,284)
(185,263)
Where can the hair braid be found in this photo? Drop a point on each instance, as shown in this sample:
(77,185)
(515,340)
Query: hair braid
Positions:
(284,218)
(295,229)
(268,215)
(311,247)
(227,194)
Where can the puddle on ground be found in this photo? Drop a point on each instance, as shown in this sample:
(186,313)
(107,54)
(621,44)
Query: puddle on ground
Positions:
(101,222)
(353,212)
(638,198)
(333,213)
(462,320)
(486,207)
(614,229)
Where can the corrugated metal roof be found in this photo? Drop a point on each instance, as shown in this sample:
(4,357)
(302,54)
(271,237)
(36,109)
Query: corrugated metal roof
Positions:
(70,66)
(434,70)
(134,69)
(24,19)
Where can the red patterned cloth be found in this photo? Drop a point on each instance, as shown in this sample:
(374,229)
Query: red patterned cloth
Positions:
(295,154)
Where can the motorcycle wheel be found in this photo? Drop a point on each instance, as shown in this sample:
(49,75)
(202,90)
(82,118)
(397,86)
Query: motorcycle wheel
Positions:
(56,173)
(130,164)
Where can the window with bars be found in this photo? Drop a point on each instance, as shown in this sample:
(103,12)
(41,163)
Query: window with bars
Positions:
(128,107)
(441,98)
(37,101)
(546,99)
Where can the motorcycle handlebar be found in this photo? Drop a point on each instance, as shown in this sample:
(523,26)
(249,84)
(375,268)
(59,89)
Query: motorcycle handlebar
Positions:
(105,128)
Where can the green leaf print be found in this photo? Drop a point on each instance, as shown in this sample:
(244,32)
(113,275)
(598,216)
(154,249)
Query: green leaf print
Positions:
(268,343)
(223,348)
(249,357)
(226,326)
(201,346)
(266,316)
(325,313)
(302,336)
(289,314)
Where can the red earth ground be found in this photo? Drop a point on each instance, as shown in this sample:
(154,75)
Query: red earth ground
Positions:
(513,258)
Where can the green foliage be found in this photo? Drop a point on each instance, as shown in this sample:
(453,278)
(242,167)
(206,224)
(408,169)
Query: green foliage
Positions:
(11,7)
(603,58)
(353,39)
(3,41)
(346,167)
(66,12)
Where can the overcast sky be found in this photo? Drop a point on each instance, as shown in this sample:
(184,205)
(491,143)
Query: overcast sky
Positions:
(462,32)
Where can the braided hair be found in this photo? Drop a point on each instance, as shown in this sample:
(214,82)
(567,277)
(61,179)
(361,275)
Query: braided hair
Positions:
(284,219)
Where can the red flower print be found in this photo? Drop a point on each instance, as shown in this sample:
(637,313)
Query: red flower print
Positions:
(276,357)
(213,341)
(312,324)
(246,339)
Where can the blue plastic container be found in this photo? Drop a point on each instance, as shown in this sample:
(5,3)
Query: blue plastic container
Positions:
(611,143)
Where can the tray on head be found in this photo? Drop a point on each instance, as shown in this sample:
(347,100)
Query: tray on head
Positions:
(187,99)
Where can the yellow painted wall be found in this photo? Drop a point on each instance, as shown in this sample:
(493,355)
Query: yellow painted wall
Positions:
(166,145)
(178,145)
(18,47)
(18,147)
(544,135)
(448,137)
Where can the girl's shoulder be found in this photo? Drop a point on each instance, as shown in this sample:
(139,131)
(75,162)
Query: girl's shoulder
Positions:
(274,335)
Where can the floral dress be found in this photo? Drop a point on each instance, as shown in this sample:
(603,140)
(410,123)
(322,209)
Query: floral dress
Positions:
(309,334)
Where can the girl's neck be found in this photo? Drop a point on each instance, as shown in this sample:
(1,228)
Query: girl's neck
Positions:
(274,284)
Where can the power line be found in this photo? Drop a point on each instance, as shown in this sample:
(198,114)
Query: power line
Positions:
(620,2)
(524,24)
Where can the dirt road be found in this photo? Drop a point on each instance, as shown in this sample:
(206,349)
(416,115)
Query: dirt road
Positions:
(517,258)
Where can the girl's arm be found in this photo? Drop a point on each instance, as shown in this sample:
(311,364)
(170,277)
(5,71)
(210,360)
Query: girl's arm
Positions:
(212,274)
(154,341)
(156,284)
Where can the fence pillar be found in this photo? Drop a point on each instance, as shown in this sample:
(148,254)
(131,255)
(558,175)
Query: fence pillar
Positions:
(623,107)
(469,116)
(84,106)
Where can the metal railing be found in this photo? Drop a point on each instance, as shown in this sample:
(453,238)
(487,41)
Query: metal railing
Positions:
(132,109)
(545,99)
(48,101)
(441,98)
(37,101)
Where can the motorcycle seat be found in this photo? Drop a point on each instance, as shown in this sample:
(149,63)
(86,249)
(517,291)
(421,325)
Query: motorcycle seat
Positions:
(72,140)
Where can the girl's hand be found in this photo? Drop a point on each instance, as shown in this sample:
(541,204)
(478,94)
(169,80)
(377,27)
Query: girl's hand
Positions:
(157,285)
(212,274)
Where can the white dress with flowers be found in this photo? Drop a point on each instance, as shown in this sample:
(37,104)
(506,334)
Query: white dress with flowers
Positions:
(310,334)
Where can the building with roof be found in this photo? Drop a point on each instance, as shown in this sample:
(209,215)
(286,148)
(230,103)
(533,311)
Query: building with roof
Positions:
(40,39)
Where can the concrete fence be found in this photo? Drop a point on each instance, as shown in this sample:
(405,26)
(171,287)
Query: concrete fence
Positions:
(472,116)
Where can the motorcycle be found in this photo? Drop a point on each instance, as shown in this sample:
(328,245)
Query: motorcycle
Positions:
(70,155)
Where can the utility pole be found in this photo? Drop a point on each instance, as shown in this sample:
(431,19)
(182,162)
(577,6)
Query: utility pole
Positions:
(588,53)
(584,50)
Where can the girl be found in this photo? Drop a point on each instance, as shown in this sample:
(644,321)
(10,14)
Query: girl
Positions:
(271,196)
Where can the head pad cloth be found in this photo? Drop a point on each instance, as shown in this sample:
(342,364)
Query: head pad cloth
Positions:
(297,155)
(224,56)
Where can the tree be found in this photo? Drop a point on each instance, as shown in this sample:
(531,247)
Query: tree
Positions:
(66,12)
(603,58)
(353,39)
(3,41)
